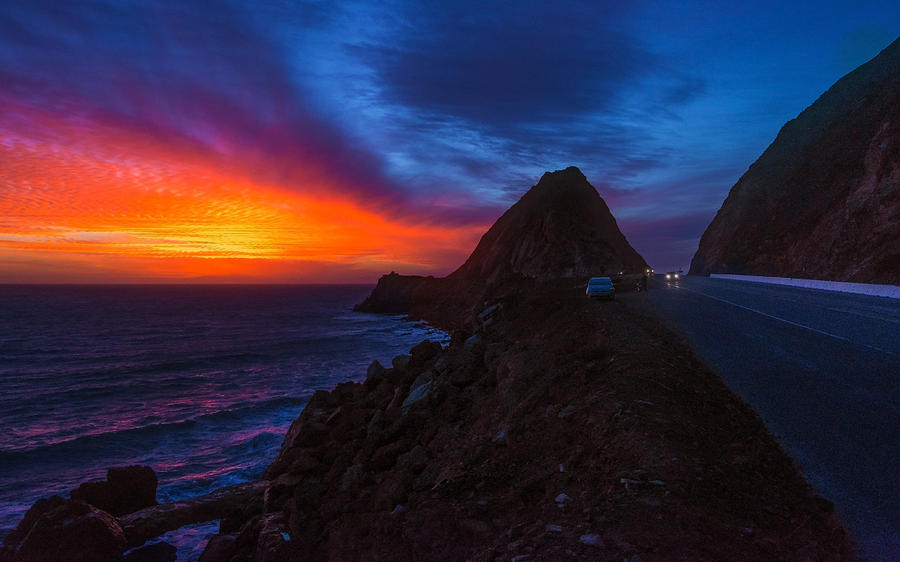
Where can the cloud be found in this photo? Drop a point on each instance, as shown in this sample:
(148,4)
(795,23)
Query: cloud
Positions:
(492,98)
(451,105)
(188,74)
(515,63)
(427,113)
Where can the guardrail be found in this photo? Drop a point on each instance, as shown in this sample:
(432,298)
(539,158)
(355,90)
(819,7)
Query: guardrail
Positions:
(890,291)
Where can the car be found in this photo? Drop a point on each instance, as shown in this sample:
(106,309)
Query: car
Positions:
(672,275)
(600,287)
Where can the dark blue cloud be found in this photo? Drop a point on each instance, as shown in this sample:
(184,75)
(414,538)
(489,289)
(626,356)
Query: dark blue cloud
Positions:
(519,66)
(517,63)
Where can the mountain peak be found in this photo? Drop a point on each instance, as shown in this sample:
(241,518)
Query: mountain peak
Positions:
(560,228)
(572,173)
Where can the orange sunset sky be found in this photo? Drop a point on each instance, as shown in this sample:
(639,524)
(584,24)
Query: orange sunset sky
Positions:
(108,204)
(311,142)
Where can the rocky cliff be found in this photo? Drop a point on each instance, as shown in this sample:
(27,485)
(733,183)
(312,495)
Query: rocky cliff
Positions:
(560,228)
(823,201)
(557,428)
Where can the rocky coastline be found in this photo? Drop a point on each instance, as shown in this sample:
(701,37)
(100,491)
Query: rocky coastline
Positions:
(552,427)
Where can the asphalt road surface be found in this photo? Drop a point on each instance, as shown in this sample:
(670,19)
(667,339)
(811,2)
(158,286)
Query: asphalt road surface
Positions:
(823,371)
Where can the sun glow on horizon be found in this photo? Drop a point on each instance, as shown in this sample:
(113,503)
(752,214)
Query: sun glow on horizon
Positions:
(105,203)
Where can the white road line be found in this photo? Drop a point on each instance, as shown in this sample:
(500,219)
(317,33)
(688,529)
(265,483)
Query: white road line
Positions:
(867,316)
(805,327)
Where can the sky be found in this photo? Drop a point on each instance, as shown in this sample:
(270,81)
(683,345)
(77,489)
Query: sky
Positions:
(321,142)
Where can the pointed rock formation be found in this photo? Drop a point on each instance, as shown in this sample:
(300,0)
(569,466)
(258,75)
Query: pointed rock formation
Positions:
(823,201)
(560,228)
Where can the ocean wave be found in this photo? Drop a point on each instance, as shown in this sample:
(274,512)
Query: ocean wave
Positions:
(88,445)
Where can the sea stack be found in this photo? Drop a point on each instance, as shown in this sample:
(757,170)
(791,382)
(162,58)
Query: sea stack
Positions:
(823,201)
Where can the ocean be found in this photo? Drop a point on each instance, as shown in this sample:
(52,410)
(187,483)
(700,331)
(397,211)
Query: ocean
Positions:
(198,382)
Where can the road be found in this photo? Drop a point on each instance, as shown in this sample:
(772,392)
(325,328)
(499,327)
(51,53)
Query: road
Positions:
(823,371)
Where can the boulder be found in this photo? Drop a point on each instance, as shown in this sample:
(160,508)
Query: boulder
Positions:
(39,508)
(487,316)
(423,378)
(278,492)
(374,421)
(472,342)
(125,490)
(375,370)
(442,365)
(400,362)
(592,540)
(384,457)
(151,522)
(220,548)
(413,461)
(424,351)
(392,491)
(71,531)
(274,542)
(462,376)
(352,477)
(418,394)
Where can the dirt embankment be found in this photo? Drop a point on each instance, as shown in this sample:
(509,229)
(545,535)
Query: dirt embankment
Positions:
(561,429)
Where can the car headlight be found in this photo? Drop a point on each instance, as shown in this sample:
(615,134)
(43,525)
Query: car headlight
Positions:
(668,276)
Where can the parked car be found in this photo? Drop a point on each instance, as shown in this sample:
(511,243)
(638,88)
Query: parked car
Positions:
(600,287)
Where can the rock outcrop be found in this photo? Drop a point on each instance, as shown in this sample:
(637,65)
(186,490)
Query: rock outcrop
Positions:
(560,228)
(558,428)
(396,293)
(240,500)
(86,527)
(125,490)
(823,201)
(59,530)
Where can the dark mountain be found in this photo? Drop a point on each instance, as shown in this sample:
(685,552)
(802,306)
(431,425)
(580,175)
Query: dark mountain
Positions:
(560,228)
(823,201)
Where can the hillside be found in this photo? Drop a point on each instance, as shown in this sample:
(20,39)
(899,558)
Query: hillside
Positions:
(560,429)
(560,228)
(823,201)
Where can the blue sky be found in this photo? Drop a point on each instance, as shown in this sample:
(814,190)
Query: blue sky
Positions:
(446,112)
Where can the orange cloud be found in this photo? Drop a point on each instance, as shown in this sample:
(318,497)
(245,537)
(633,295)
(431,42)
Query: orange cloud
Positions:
(101,203)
